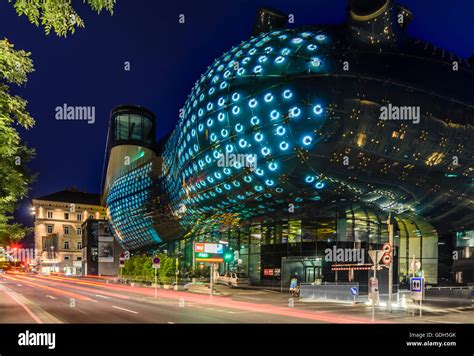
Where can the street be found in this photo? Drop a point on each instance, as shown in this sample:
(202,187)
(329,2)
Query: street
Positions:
(56,299)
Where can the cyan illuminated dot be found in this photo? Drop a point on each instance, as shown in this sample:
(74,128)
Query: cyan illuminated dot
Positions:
(295,112)
(272,166)
(257,69)
(209,106)
(319,185)
(223,85)
(309,179)
(318,110)
(279,59)
(321,37)
(245,60)
(297,40)
(224,133)
(259,172)
(221,102)
(254,120)
(307,140)
(316,62)
(258,137)
(252,51)
(229,148)
(280,130)
(235,110)
(200,112)
(238,127)
(211,91)
(274,114)
(265,151)
(221,116)
(248,179)
(209,122)
(287,94)
(227,74)
(262,59)
(269,182)
(241,71)
(242,143)
(283,146)
(285,51)
(235,96)
(268,97)
(253,103)
(217,175)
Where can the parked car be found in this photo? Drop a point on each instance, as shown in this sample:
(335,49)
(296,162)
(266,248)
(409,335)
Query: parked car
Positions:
(233,279)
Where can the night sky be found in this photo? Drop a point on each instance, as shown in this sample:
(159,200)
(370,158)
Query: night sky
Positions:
(87,68)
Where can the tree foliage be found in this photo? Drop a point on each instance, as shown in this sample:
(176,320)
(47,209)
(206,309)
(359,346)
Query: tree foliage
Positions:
(57,15)
(14,154)
(140,268)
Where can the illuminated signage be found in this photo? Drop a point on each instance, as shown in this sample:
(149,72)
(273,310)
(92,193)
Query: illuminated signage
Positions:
(209,252)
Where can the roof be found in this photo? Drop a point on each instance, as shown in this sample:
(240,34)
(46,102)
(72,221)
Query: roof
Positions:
(71,196)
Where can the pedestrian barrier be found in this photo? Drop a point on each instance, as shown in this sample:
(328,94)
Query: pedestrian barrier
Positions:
(332,291)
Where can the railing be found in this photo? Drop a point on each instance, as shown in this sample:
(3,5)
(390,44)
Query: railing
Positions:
(332,291)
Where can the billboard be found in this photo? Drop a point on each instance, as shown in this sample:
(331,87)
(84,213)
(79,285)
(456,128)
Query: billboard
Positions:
(208,252)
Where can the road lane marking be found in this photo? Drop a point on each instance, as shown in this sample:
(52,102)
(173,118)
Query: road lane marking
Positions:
(50,296)
(18,284)
(170,322)
(127,310)
(102,296)
(28,310)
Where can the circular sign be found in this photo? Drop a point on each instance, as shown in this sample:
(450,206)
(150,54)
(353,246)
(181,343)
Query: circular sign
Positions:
(386,259)
(354,291)
(387,248)
(156,260)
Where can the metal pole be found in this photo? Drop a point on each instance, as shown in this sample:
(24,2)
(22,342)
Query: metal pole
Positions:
(211,279)
(281,276)
(375,277)
(390,266)
(156,283)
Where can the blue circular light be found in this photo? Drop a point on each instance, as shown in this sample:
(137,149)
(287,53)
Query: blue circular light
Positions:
(279,59)
(318,110)
(224,133)
(235,96)
(258,137)
(274,114)
(242,143)
(223,85)
(209,106)
(319,185)
(265,151)
(262,59)
(272,166)
(320,37)
(257,69)
(229,148)
(269,182)
(235,110)
(316,62)
(287,94)
(268,97)
(280,130)
(307,140)
(259,172)
(253,103)
(241,71)
(309,179)
(239,127)
(312,47)
(295,112)
(221,116)
(254,120)
(221,102)
(283,146)
(209,123)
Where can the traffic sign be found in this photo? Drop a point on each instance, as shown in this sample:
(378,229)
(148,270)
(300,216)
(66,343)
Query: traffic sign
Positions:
(375,256)
(373,285)
(354,291)
(416,284)
(126,255)
(156,262)
(386,259)
(387,248)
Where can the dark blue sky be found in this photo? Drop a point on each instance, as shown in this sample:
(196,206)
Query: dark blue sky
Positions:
(166,58)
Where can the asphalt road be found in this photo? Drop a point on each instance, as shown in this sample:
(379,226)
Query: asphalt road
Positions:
(53,299)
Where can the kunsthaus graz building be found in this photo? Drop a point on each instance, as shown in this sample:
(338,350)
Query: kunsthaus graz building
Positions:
(303,139)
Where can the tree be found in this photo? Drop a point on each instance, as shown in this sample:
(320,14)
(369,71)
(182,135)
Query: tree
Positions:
(14,176)
(58,15)
(15,65)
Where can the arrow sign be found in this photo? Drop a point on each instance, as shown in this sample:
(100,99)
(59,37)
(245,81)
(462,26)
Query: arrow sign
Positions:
(354,291)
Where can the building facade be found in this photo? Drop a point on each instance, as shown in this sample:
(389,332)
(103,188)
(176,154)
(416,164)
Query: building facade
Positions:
(283,150)
(58,229)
